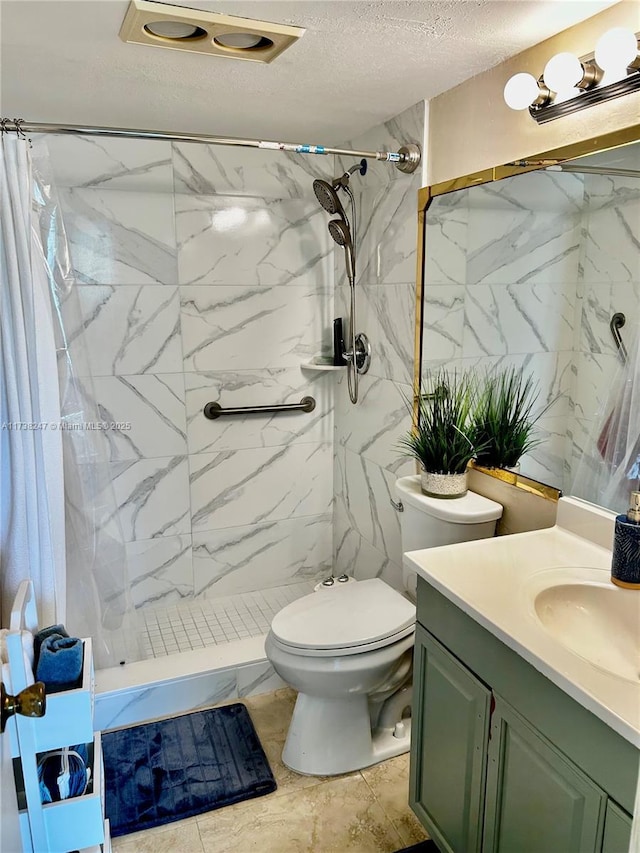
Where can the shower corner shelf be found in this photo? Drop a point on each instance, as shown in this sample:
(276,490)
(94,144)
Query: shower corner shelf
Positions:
(323,363)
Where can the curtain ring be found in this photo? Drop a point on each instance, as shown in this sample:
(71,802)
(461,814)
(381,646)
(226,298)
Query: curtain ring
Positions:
(18,122)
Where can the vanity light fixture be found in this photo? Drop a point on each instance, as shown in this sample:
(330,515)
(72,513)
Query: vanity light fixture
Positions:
(180,28)
(569,83)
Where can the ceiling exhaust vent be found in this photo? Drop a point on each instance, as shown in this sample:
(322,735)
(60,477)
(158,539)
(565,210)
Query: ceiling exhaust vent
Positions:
(179,28)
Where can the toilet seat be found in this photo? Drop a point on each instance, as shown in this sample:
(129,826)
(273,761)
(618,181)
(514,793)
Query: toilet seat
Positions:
(350,619)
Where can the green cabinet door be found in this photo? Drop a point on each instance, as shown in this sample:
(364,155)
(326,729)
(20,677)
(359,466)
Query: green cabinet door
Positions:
(617,830)
(537,801)
(449,728)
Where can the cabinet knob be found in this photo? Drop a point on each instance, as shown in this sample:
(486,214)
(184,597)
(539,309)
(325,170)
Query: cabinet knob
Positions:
(30,702)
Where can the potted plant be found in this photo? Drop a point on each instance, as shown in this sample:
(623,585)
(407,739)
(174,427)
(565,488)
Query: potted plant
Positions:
(441,441)
(504,419)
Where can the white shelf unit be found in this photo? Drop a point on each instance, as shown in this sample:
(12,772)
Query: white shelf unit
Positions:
(76,823)
(105,847)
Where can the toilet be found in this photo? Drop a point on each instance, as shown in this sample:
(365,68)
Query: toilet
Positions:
(347,647)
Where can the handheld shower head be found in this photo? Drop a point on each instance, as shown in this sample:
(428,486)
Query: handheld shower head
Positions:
(341,234)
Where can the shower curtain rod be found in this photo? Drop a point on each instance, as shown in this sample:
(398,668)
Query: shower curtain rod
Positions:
(406,159)
(596,170)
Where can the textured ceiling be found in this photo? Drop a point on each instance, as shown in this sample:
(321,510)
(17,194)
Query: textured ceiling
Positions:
(359,63)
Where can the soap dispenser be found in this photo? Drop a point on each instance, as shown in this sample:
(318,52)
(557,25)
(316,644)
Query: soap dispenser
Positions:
(625,562)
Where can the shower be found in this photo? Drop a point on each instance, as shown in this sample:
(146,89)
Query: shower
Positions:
(343,232)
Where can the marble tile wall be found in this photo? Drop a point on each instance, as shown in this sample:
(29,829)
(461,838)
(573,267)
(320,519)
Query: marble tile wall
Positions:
(366,458)
(205,273)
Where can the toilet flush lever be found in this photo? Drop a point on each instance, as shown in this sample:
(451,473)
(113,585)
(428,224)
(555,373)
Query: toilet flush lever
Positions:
(399,506)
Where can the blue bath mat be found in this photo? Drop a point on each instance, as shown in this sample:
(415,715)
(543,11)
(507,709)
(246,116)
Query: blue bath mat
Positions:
(177,768)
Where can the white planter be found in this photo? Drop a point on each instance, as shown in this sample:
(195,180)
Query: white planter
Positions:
(443,485)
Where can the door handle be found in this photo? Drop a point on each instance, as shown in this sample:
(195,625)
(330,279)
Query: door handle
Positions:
(30,702)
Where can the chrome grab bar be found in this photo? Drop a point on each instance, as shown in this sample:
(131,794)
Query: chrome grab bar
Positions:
(215,410)
(617,322)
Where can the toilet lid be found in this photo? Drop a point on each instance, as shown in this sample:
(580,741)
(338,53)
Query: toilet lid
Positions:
(355,614)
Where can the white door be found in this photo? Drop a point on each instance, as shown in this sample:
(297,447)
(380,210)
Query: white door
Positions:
(10,841)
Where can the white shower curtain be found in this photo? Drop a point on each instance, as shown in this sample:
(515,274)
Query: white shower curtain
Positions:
(59,523)
(32,521)
(609,468)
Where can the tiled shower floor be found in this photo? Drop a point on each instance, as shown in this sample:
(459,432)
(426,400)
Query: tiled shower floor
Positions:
(210,622)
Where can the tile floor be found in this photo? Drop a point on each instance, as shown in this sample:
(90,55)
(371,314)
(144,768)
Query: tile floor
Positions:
(208,622)
(362,812)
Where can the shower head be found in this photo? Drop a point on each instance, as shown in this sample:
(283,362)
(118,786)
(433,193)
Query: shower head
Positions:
(340,232)
(328,197)
(326,192)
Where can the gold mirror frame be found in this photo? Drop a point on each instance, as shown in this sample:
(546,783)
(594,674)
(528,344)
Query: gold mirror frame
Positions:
(497,173)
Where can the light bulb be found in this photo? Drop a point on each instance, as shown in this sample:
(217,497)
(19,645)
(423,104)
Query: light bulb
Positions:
(615,51)
(521,91)
(562,72)
(174,30)
(244,41)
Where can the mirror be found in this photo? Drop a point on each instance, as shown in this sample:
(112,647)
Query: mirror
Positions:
(529,271)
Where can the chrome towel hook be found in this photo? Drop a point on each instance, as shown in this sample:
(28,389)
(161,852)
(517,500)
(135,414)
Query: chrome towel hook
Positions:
(617,322)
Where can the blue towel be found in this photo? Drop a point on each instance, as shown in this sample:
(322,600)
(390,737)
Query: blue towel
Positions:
(59,663)
(41,636)
(62,773)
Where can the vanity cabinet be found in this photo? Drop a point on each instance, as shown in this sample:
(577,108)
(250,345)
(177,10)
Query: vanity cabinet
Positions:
(617,830)
(451,712)
(502,760)
(535,799)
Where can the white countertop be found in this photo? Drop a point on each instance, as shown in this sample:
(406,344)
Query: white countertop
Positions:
(495,582)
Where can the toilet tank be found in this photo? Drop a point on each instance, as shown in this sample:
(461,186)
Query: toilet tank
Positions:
(430,522)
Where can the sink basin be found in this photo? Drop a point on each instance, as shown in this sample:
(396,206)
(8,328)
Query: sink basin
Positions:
(598,622)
